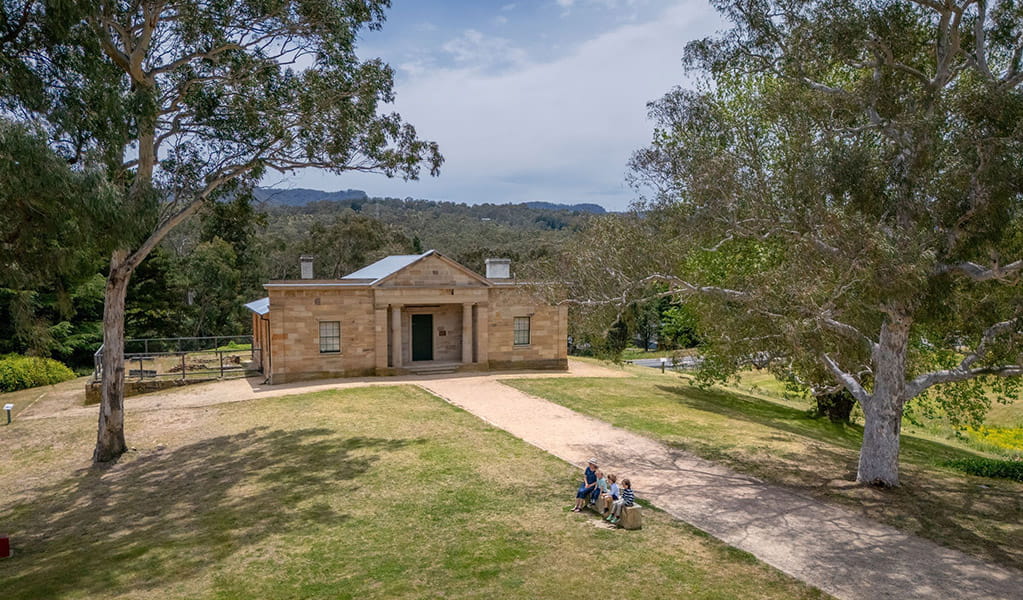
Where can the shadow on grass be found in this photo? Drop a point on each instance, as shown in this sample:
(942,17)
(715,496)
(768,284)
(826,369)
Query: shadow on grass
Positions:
(167,517)
(783,418)
(955,511)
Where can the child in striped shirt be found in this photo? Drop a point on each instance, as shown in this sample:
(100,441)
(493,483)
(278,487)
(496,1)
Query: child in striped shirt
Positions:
(628,499)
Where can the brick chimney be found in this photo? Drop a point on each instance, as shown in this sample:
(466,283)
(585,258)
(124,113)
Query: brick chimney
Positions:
(306,261)
(498,268)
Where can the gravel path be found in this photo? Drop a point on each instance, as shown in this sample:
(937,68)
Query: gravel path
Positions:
(833,549)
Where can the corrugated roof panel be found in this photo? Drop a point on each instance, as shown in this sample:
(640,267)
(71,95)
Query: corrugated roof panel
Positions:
(260,307)
(385,266)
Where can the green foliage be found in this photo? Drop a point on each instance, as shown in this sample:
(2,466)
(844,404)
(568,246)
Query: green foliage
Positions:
(989,467)
(679,326)
(23,372)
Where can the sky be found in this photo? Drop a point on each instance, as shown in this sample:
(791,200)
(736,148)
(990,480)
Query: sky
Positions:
(541,100)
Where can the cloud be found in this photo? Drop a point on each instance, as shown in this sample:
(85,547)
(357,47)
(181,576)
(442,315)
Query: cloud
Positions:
(474,50)
(507,7)
(559,130)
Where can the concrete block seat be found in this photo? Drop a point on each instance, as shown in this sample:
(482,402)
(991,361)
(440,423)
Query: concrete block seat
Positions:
(632,516)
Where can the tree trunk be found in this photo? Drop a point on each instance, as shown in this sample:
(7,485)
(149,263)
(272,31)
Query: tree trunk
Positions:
(879,455)
(110,434)
(882,412)
(837,407)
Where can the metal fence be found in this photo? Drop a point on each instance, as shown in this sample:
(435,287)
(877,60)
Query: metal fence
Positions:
(220,357)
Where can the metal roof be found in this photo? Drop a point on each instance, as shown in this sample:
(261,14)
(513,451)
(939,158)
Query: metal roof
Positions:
(260,307)
(386,266)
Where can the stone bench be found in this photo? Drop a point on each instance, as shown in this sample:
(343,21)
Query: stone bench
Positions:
(632,516)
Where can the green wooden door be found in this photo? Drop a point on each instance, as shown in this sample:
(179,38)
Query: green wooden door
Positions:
(422,337)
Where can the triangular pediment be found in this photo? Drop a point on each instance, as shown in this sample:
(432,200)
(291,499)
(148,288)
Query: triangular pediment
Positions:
(433,270)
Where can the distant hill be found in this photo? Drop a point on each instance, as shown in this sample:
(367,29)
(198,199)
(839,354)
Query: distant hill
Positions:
(304,197)
(588,208)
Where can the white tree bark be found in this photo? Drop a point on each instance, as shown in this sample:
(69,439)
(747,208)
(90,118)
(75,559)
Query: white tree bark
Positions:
(882,410)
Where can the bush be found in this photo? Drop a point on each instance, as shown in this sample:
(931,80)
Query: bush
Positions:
(989,467)
(21,372)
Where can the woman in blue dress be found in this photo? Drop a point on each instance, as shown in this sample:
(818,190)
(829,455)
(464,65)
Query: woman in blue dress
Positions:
(587,487)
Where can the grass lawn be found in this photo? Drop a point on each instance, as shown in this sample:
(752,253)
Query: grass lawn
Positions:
(383,492)
(760,433)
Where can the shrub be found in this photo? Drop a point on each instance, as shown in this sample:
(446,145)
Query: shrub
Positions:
(21,372)
(989,467)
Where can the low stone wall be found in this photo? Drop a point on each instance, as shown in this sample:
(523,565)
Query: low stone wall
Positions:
(93,391)
(550,364)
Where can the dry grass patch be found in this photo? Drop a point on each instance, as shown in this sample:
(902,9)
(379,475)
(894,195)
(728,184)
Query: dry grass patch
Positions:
(383,492)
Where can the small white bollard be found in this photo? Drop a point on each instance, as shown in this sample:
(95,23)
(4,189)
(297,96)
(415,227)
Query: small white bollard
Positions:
(8,408)
(664,361)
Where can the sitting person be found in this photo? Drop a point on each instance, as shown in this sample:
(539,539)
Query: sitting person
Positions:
(610,495)
(601,488)
(588,485)
(628,499)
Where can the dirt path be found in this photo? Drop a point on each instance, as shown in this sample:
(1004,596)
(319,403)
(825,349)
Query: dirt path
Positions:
(66,399)
(828,547)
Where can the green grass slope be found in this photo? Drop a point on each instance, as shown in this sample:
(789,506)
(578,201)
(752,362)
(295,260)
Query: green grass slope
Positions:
(383,492)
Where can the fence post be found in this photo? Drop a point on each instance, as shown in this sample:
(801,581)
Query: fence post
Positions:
(221,353)
(182,366)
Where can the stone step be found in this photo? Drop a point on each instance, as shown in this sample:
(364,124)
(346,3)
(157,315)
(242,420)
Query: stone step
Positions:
(433,369)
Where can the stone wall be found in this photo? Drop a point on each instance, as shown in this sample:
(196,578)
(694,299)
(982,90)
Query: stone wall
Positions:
(94,391)
(548,339)
(295,333)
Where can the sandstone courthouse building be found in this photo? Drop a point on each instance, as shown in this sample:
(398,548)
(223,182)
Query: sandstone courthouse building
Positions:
(418,313)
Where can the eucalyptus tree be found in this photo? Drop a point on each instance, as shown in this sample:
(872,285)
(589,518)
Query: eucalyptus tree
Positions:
(842,195)
(186,101)
(49,211)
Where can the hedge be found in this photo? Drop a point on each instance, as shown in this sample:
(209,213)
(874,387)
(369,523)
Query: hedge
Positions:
(989,467)
(21,372)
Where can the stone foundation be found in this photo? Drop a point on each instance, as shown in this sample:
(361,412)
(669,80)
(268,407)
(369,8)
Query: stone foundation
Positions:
(550,364)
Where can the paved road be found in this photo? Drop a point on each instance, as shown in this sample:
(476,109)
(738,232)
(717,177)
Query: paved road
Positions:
(831,548)
(684,362)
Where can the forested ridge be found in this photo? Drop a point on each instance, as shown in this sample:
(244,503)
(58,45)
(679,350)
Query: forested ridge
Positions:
(196,282)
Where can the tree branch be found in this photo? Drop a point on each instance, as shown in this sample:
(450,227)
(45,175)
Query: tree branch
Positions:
(847,380)
(980,273)
(13,33)
(963,371)
(847,330)
(925,381)
(212,184)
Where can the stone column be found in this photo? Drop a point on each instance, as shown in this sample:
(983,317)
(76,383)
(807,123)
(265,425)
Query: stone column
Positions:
(396,336)
(482,334)
(380,334)
(467,332)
